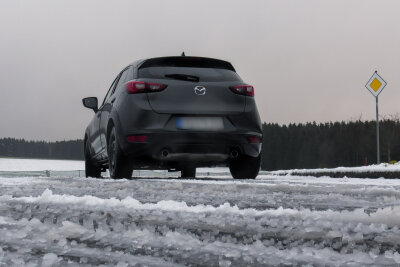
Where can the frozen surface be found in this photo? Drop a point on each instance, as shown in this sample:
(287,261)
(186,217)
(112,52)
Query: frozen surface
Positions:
(274,220)
(383,167)
(17,167)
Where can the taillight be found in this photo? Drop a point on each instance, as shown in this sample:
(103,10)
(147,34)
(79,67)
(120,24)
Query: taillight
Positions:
(247,90)
(137,138)
(135,87)
(254,139)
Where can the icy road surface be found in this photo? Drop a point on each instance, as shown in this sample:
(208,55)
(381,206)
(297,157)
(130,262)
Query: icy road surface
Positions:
(214,222)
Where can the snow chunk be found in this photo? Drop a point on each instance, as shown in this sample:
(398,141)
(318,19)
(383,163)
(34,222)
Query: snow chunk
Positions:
(50,259)
(72,229)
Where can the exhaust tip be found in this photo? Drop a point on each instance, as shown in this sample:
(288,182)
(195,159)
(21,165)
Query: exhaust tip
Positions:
(164,153)
(234,154)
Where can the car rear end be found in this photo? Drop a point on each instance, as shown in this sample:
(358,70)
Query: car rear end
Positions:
(188,110)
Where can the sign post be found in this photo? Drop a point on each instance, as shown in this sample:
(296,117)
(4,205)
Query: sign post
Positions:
(375,85)
(378,151)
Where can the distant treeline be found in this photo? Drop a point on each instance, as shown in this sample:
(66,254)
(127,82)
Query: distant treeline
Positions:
(310,145)
(11,147)
(328,145)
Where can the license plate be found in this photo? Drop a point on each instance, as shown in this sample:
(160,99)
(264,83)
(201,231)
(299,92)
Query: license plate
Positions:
(199,123)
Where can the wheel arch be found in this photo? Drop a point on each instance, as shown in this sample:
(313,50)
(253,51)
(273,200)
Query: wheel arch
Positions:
(113,121)
(110,126)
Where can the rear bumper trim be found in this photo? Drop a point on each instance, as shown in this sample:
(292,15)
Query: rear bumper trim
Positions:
(198,144)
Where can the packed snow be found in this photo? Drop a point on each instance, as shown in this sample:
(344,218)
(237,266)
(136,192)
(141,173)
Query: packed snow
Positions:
(383,167)
(210,221)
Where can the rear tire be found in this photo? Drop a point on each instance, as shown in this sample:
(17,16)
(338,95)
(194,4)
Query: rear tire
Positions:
(245,167)
(188,172)
(118,164)
(91,170)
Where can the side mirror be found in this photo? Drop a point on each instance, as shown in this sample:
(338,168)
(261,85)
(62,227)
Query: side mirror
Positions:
(90,102)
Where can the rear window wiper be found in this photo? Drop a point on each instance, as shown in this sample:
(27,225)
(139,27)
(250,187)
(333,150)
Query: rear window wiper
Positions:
(183,77)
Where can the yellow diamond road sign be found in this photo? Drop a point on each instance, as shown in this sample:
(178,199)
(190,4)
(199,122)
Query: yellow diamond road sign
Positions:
(376,84)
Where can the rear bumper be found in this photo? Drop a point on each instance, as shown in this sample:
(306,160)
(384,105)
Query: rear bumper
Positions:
(191,146)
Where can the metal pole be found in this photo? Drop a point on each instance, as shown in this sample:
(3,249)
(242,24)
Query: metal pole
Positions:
(378,160)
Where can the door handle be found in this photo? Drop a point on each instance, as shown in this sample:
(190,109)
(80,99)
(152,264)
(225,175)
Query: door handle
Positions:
(112,100)
(98,114)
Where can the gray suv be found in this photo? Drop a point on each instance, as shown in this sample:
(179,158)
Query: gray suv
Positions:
(177,114)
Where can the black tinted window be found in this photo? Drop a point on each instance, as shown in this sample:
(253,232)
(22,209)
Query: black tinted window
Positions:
(189,62)
(111,90)
(122,79)
(202,74)
(129,74)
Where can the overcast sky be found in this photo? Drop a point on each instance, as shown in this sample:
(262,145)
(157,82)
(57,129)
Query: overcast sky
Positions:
(308,60)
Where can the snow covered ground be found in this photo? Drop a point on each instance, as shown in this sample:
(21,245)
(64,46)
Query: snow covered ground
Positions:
(383,167)
(17,167)
(17,164)
(213,221)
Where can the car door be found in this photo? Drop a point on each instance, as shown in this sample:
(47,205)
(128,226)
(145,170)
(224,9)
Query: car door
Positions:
(106,108)
(97,145)
(93,136)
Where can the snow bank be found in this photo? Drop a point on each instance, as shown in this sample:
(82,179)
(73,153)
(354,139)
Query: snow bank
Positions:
(383,167)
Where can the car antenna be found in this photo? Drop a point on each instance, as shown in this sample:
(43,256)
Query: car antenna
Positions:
(183,54)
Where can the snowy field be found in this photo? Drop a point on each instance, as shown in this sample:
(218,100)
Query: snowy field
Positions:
(211,221)
(17,164)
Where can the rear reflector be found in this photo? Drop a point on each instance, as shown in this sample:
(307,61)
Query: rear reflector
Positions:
(254,139)
(137,138)
(135,87)
(247,90)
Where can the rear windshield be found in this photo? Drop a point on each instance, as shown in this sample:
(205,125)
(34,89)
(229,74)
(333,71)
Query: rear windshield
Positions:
(190,62)
(189,74)
(194,69)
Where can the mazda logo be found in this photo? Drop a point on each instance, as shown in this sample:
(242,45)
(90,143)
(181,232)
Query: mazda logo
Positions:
(200,90)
